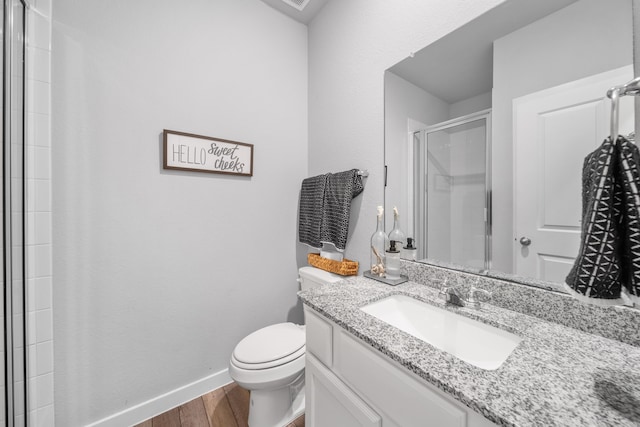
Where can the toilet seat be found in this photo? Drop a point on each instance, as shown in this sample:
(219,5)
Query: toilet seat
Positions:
(272,346)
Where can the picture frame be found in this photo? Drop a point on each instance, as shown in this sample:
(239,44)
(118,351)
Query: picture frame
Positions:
(199,153)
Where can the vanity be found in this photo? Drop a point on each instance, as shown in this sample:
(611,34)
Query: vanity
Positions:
(487,212)
(363,371)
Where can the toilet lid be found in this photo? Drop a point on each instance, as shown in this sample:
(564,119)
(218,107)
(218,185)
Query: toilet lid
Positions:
(276,343)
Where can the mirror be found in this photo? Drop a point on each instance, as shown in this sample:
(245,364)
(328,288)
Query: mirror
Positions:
(486,130)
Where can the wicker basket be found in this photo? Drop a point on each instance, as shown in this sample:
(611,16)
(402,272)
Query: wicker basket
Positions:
(344,268)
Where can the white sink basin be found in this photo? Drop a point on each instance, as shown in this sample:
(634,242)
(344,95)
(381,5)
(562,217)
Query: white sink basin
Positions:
(477,343)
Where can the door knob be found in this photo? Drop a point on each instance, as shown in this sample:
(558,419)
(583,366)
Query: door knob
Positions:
(525,241)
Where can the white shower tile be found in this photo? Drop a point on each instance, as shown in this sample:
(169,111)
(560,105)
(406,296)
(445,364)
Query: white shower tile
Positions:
(43,417)
(31,267)
(42,260)
(43,7)
(41,391)
(44,326)
(42,130)
(43,293)
(31,328)
(32,359)
(30,224)
(39,67)
(31,295)
(39,32)
(31,161)
(44,390)
(31,129)
(42,163)
(31,195)
(44,358)
(42,195)
(38,97)
(42,228)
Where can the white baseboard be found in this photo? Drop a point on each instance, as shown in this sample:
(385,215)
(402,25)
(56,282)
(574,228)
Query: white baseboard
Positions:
(164,402)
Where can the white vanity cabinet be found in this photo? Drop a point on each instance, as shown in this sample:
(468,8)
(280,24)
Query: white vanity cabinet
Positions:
(349,383)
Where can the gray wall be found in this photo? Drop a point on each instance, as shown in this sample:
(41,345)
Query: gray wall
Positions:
(404,102)
(158,274)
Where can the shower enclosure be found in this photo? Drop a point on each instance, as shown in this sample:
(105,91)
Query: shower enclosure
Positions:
(14,352)
(452,191)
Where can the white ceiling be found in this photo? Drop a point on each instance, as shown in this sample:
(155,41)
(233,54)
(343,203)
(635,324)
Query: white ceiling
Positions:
(305,16)
(460,65)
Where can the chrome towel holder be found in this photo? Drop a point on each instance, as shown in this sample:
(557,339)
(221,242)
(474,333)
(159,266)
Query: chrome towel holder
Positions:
(631,88)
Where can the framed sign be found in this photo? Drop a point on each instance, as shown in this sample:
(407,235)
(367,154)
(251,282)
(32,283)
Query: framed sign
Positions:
(185,151)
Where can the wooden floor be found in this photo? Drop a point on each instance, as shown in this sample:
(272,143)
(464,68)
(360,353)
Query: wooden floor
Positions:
(227,406)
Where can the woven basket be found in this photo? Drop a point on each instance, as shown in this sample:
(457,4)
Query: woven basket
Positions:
(344,268)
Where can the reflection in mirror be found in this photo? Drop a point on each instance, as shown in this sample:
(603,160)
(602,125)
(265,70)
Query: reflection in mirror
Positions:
(451,186)
(486,130)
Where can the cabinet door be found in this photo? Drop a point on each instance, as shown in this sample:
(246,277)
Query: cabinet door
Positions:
(398,396)
(330,403)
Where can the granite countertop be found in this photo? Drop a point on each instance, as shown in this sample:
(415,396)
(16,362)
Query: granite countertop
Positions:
(557,376)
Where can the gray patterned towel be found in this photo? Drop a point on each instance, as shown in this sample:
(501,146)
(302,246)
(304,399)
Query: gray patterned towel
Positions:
(311,208)
(341,188)
(607,267)
(325,207)
(628,162)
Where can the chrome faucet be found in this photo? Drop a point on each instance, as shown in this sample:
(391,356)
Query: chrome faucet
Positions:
(453,295)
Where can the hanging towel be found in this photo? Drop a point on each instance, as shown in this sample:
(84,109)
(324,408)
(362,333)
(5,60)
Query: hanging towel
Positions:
(311,209)
(628,162)
(603,271)
(341,188)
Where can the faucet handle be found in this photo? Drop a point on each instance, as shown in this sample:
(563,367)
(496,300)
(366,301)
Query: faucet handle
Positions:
(472,296)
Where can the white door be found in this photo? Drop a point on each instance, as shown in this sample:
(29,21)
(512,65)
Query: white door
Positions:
(553,131)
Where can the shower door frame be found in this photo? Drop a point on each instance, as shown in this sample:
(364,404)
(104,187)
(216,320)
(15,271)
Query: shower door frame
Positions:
(14,241)
(420,178)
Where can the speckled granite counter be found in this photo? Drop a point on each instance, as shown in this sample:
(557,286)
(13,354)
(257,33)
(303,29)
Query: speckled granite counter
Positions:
(557,376)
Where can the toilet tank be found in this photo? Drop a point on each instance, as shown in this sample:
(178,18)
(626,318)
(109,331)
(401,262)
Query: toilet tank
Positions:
(313,277)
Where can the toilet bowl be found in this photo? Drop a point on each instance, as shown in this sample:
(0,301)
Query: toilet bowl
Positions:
(270,364)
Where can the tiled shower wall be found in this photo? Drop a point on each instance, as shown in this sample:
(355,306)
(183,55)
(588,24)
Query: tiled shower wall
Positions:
(39,269)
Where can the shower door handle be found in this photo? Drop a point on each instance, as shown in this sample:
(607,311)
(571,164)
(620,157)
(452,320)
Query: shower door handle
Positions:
(525,241)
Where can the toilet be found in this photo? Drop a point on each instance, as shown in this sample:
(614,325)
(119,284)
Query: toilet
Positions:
(270,364)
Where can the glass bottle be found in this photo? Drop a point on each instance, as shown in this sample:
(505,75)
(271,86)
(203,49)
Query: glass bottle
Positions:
(397,235)
(379,242)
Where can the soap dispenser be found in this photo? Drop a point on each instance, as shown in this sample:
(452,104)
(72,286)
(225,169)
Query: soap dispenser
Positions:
(393,261)
(410,252)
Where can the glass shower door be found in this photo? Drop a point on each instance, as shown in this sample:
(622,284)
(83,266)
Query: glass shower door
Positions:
(453,192)
(14,385)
